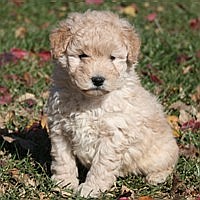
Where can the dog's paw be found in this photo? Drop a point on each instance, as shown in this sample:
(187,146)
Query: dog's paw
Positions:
(62,181)
(87,191)
(157,177)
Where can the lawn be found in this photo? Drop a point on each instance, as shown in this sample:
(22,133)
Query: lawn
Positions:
(169,67)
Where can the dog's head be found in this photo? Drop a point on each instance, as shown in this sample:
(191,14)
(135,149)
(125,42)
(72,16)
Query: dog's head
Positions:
(97,48)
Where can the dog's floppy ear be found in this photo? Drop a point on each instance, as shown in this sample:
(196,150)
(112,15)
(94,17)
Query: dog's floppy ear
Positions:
(132,42)
(59,39)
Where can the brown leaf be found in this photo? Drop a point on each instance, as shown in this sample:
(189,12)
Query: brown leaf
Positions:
(196,96)
(29,80)
(97,2)
(189,151)
(5,96)
(145,198)
(179,105)
(182,58)
(20,32)
(8,139)
(155,79)
(187,69)
(195,24)
(184,116)
(44,123)
(26,96)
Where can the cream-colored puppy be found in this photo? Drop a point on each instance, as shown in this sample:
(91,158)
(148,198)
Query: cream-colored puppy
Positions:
(98,112)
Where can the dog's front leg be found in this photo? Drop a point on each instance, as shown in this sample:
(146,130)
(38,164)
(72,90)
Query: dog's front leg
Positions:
(104,170)
(63,166)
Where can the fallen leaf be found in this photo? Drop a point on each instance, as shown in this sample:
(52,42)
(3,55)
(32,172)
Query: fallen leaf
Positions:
(160,9)
(196,96)
(187,69)
(198,54)
(44,55)
(184,116)
(195,24)
(155,79)
(30,103)
(19,53)
(7,58)
(97,2)
(28,79)
(44,123)
(179,105)
(182,58)
(189,151)
(151,17)
(191,124)
(126,193)
(8,138)
(10,115)
(130,10)
(174,123)
(20,32)
(2,122)
(5,96)
(26,96)
(145,198)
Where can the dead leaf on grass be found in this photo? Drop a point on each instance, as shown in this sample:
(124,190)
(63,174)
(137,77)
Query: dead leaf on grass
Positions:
(97,2)
(8,138)
(145,198)
(196,96)
(44,122)
(174,123)
(189,151)
(5,96)
(184,116)
(151,17)
(187,69)
(28,79)
(195,24)
(191,124)
(126,193)
(26,96)
(20,32)
(130,10)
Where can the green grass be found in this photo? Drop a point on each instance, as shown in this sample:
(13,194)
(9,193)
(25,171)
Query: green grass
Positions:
(164,42)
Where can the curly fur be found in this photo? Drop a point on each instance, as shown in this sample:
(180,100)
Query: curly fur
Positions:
(113,129)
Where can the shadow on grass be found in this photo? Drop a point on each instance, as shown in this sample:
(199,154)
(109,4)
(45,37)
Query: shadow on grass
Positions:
(34,141)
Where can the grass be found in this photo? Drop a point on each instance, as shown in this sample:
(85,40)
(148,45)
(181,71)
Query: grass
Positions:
(169,67)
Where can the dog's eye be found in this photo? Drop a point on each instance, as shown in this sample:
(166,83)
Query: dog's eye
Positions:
(83,55)
(112,58)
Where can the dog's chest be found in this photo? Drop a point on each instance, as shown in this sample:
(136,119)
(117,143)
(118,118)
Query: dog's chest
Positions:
(85,134)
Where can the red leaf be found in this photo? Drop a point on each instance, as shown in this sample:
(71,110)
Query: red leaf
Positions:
(123,198)
(155,79)
(195,24)
(44,55)
(151,17)
(6,58)
(97,2)
(5,96)
(198,54)
(182,58)
(19,53)
(193,124)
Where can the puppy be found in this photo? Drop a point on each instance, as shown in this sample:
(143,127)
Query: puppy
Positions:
(98,112)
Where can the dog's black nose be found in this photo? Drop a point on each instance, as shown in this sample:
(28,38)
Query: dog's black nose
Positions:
(98,80)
